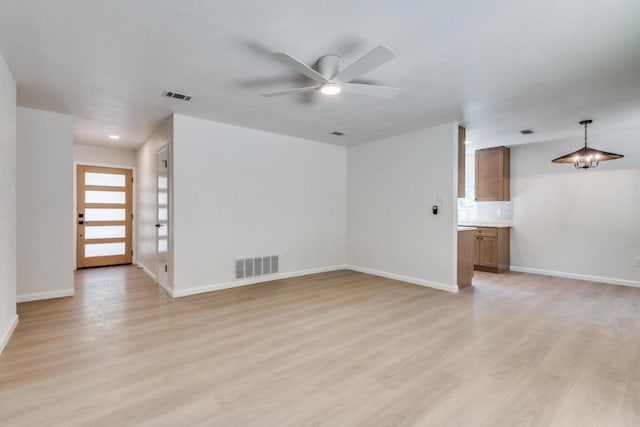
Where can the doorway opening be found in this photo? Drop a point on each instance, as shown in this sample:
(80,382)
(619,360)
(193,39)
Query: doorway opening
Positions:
(162,216)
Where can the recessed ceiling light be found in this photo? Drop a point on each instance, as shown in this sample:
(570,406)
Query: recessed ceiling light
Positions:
(114,137)
(467,141)
(330,89)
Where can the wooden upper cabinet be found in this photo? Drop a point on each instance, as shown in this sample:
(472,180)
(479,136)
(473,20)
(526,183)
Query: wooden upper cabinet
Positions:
(461,160)
(492,174)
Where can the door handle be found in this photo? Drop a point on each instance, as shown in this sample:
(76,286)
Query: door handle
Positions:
(158,225)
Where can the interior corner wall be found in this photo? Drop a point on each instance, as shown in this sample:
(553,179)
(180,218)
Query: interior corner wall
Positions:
(392,185)
(242,193)
(146,187)
(8,317)
(577,223)
(44,205)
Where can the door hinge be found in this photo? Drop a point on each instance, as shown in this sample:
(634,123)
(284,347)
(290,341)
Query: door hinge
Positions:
(132,179)
(132,216)
(165,268)
(166,163)
(131,252)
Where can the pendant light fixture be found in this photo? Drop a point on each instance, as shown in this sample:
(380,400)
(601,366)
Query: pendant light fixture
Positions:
(586,157)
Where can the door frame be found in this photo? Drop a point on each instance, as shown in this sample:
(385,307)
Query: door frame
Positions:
(159,266)
(75,206)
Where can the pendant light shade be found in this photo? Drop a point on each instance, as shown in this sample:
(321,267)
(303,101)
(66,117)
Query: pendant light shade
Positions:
(586,157)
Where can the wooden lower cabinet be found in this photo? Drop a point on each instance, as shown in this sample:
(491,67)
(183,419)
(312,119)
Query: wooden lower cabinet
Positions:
(491,249)
(465,257)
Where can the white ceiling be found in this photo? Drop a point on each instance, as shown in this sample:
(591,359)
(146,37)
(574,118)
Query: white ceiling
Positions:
(496,65)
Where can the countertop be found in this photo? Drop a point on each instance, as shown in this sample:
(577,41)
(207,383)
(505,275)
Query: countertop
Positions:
(465,228)
(503,225)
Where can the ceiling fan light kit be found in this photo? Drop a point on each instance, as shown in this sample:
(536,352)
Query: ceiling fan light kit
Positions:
(332,79)
(330,89)
(586,157)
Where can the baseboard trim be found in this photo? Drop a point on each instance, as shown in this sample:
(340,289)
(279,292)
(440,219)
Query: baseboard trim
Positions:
(408,279)
(166,288)
(177,293)
(45,295)
(586,277)
(6,335)
(154,278)
(146,271)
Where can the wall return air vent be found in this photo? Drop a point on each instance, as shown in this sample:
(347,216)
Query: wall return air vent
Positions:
(259,266)
(176,95)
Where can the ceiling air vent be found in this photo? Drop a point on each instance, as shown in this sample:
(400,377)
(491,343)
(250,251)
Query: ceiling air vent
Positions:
(176,95)
(527,131)
(337,133)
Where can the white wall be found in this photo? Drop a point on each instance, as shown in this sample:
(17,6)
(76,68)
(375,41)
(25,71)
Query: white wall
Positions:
(392,185)
(146,193)
(44,204)
(241,192)
(577,222)
(104,156)
(8,317)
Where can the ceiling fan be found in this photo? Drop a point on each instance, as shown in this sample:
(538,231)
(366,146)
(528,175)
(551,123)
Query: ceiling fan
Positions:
(332,79)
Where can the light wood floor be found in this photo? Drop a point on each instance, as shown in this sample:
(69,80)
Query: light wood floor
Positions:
(335,349)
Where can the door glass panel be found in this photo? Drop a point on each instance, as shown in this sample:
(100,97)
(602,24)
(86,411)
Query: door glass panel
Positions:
(162,198)
(105,197)
(107,179)
(104,232)
(162,214)
(95,214)
(162,245)
(162,231)
(162,183)
(103,249)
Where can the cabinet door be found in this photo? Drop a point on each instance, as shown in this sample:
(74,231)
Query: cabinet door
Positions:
(487,251)
(492,174)
(476,251)
(461,160)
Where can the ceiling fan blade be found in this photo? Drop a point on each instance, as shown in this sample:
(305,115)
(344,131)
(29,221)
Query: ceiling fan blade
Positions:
(291,91)
(300,67)
(366,63)
(370,90)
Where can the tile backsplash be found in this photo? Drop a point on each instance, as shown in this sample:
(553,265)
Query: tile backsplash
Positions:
(472,212)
